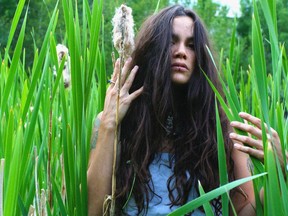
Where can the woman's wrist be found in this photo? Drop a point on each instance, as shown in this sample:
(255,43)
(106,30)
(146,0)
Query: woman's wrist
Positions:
(108,122)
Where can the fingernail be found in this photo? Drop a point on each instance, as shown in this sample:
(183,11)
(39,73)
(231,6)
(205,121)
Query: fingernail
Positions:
(232,135)
(241,114)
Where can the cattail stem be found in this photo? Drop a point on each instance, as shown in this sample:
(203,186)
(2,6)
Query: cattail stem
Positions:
(49,156)
(117,131)
(63,187)
(123,38)
(37,191)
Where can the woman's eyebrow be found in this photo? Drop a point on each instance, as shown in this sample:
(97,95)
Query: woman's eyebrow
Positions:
(176,37)
(190,39)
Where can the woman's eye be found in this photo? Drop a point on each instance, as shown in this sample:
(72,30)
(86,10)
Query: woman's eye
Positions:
(191,46)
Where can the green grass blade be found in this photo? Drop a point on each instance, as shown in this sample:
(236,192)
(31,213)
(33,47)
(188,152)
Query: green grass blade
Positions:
(9,143)
(13,183)
(259,69)
(14,24)
(71,179)
(28,136)
(283,187)
(2,162)
(59,198)
(281,129)
(273,189)
(221,160)
(190,206)
(87,13)
(220,98)
(232,43)
(207,207)
(13,67)
(232,89)
(38,64)
(157,7)
(269,12)
(83,169)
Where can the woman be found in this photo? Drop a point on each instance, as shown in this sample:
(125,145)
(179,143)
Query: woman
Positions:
(168,127)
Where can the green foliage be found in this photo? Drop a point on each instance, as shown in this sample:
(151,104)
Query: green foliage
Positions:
(47,128)
(211,195)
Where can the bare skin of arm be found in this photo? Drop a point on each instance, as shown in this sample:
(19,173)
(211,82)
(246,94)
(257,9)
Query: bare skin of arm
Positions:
(99,174)
(244,203)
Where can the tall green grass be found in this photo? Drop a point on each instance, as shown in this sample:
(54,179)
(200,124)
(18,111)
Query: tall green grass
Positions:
(45,129)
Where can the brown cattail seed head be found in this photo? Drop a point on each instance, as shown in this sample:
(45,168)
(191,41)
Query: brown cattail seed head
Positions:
(123,31)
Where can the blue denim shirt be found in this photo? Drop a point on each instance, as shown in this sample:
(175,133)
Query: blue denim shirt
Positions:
(159,204)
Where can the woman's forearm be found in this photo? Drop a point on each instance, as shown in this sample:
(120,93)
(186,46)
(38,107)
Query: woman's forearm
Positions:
(99,173)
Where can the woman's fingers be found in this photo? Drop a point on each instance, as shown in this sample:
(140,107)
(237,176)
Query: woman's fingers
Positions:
(255,131)
(257,122)
(125,78)
(120,74)
(253,145)
(115,74)
(253,152)
(247,140)
(125,71)
(256,128)
(252,119)
(136,93)
(128,82)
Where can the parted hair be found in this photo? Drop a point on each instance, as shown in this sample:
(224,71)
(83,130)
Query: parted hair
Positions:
(192,106)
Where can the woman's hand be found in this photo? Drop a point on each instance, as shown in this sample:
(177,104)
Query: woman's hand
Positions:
(125,98)
(102,154)
(253,142)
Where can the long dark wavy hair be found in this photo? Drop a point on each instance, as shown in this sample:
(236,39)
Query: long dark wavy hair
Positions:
(143,132)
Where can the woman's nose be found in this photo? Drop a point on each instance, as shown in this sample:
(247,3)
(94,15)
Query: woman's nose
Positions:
(180,51)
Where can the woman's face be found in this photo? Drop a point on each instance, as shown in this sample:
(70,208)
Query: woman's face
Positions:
(182,48)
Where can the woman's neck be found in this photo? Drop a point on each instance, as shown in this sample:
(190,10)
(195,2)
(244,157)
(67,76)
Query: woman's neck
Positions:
(166,146)
(179,93)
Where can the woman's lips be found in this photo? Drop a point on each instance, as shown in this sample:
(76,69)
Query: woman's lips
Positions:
(179,67)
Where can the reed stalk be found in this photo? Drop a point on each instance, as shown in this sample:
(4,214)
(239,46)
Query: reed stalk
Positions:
(37,190)
(123,39)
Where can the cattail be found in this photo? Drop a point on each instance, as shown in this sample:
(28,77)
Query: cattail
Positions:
(42,209)
(123,39)
(31,211)
(61,52)
(123,31)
